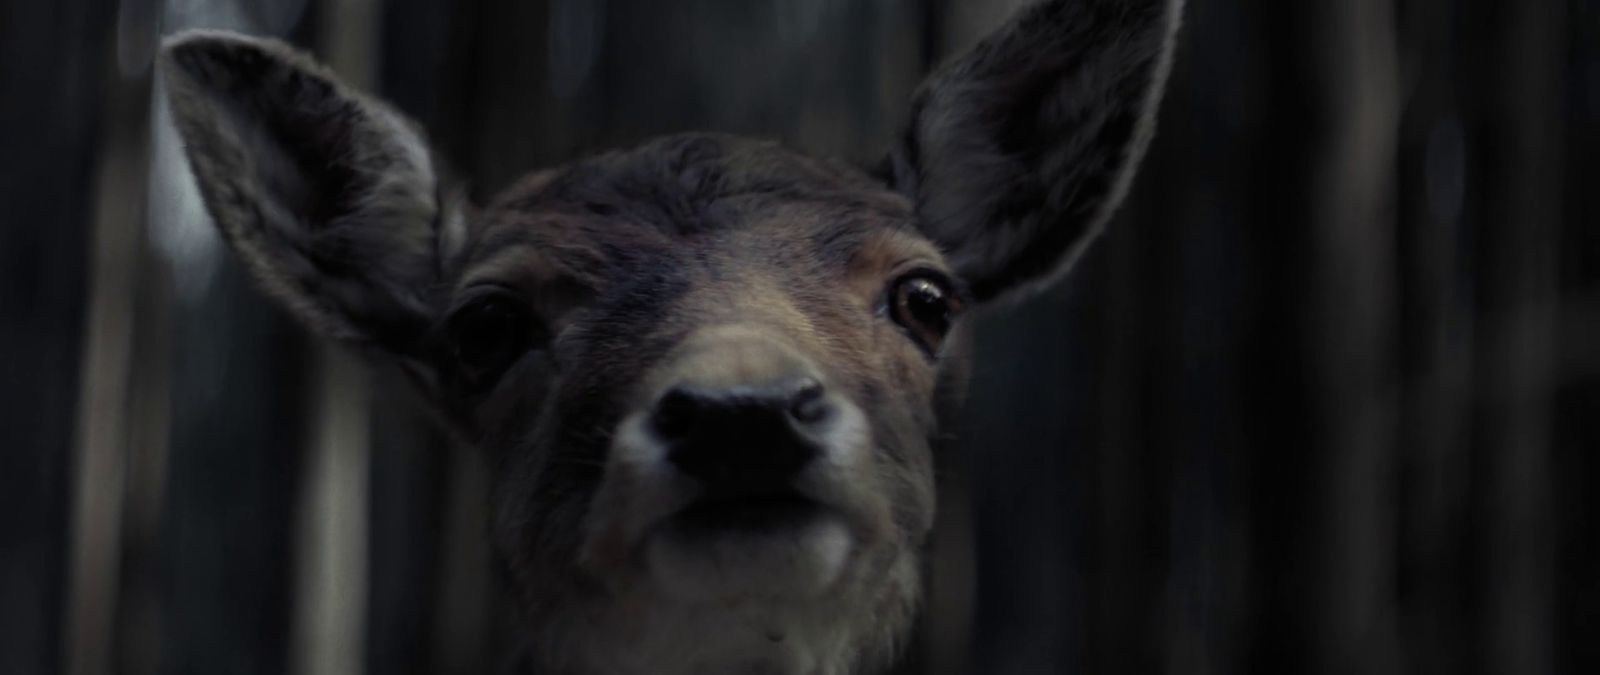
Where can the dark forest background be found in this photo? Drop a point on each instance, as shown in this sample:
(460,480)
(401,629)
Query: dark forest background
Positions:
(1326,399)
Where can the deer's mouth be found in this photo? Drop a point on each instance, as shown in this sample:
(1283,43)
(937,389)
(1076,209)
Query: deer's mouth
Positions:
(751,544)
(715,528)
(748,513)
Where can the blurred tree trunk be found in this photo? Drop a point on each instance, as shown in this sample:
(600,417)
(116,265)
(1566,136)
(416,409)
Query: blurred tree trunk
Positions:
(1576,465)
(235,459)
(1323,467)
(1350,332)
(1520,129)
(1436,361)
(1166,590)
(104,424)
(50,118)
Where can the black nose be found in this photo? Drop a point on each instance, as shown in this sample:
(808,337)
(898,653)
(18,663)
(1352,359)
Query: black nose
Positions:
(743,438)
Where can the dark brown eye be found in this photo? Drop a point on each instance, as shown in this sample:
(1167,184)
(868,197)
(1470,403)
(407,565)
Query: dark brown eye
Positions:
(488,334)
(925,307)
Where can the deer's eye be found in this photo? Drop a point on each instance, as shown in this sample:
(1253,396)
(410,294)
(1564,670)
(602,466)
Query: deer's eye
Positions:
(488,334)
(926,307)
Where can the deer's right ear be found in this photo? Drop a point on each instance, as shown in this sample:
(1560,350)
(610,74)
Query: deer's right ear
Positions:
(329,196)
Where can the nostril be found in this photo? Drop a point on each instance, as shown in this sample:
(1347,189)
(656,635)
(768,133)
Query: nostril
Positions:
(810,404)
(675,414)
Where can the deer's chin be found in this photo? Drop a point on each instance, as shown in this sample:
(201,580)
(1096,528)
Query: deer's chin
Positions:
(780,550)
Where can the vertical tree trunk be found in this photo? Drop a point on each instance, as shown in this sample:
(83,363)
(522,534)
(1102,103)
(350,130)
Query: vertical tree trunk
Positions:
(1325,470)
(1436,349)
(1576,465)
(1522,140)
(1350,334)
(106,399)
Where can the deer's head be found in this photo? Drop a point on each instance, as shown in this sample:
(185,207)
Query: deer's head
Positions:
(709,370)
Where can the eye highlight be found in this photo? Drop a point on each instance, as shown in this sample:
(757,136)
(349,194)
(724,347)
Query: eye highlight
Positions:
(488,333)
(924,304)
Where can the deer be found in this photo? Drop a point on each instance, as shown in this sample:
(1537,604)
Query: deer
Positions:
(710,372)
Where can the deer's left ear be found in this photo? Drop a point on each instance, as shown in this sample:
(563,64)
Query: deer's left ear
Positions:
(1018,152)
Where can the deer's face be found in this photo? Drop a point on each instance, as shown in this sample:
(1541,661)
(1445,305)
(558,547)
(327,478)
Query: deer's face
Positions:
(725,399)
(709,371)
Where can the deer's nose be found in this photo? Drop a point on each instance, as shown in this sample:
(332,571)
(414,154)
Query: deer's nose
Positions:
(746,437)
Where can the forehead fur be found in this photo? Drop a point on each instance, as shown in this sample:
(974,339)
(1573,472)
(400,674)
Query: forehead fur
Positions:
(672,180)
(637,202)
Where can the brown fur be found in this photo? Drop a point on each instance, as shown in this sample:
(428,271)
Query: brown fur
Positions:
(798,249)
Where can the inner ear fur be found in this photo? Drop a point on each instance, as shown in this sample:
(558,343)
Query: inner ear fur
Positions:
(330,197)
(1018,152)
